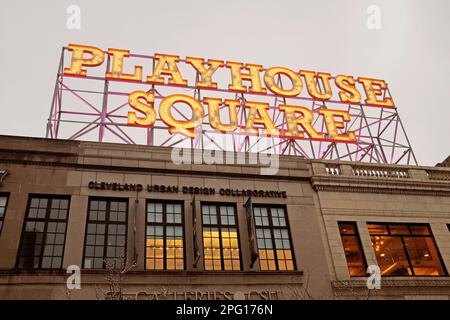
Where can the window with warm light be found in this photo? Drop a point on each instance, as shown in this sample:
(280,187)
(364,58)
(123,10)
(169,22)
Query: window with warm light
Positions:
(220,237)
(106,233)
(3,201)
(352,247)
(164,236)
(406,250)
(44,234)
(273,238)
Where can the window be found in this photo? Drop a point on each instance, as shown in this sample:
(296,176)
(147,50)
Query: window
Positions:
(273,238)
(164,236)
(405,250)
(220,237)
(44,235)
(3,201)
(106,233)
(352,247)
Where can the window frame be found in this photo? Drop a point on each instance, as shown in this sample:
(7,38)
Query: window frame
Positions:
(218,204)
(106,224)
(164,225)
(271,227)
(7,195)
(405,248)
(46,220)
(355,225)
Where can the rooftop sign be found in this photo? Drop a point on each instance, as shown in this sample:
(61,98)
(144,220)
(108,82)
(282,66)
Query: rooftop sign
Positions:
(208,103)
(244,78)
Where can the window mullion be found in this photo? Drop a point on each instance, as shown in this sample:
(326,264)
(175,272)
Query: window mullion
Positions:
(219,229)
(164,226)
(269,211)
(105,241)
(44,235)
(405,248)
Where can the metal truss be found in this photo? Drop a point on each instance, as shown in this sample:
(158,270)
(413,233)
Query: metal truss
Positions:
(95,109)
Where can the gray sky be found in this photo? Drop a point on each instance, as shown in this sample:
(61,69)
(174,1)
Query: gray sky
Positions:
(411,51)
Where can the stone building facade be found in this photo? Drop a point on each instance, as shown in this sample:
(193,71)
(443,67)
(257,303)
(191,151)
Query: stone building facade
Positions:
(197,231)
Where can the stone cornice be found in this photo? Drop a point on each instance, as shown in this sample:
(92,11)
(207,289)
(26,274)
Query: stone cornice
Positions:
(153,170)
(378,185)
(391,283)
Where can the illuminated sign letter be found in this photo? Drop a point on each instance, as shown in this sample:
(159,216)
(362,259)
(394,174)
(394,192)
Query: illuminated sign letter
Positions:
(310,79)
(214,114)
(297,84)
(372,92)
(253,76)
(177,126)
(170,70)
(117,67)
(305,121)
(349,94)
(205,80)
(332,125)
(78,60)
(261,108)
(147,109)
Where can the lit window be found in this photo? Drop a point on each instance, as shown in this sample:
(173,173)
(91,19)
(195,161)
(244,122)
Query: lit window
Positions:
(273,239)
(44,235)
(3,201)
(406,250)
(106,233)
(164,236)
(352,248)
(220,237)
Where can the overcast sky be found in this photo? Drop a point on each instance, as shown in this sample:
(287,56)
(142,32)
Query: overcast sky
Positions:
(411,50)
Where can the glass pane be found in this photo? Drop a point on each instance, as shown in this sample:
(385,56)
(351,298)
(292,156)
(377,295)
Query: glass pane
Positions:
(347,228)
(41,249)
(391,256)
(400,229)
(375,228)
(424,256)
(420,229)
(354,256)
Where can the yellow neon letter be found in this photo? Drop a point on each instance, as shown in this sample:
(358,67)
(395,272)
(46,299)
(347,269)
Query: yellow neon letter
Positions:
(237,76)
(305,121)
(261,108)
(332,125)
(372,92)
(214,114)
(117,67)
(310,78)
(78,60)
(177,126)
(170,70)
(147,109)
(350,93)
(297,84)
(205,80)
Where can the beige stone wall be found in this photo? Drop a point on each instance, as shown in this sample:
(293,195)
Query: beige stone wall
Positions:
(415,198)
(38,170)
(316,199)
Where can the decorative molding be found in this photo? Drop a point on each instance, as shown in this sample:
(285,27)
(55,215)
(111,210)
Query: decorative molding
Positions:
(375,185)
(356,283)
(3,174)
(153,170)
